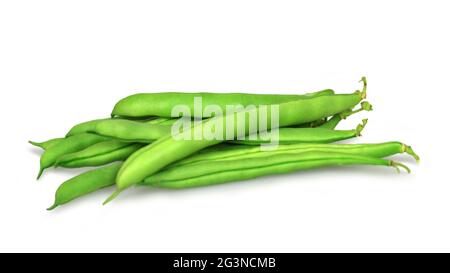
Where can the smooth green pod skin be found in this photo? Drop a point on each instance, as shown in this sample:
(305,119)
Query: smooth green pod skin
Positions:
(85,183)
(167,150)
(131,131)
(46,144)
(222,153)
(237,152)
(85,127)
(68,145)
(209,173)
(304,135)
(161,104)
(99,154)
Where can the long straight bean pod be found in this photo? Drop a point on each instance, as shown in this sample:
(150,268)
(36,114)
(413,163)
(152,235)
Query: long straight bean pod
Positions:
(161,104)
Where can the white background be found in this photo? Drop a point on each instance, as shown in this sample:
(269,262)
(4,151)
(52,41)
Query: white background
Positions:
(63,62)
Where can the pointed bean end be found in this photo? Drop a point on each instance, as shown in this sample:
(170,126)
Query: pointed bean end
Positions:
(112,196)
(52,206)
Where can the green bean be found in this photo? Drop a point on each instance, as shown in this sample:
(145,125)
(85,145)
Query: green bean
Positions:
(68,145)
(222,153)
(84,127)
(85,183)
(235,152)
(307,135)
(161,104)
(98,154)
(166,150)
(131,131)
(46,144)
(209,173)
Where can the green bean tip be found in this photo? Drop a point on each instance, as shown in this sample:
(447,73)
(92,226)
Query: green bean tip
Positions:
(112,196)
(52,206)
(41,170)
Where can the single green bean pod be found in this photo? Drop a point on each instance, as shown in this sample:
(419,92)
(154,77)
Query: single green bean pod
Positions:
(161,104)
(67,145)
(85,183)
(99,154)
(46,144)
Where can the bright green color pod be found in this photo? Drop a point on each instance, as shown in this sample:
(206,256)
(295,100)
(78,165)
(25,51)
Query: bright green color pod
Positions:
(131,131)
(161,104)
(238,152)
(215,172)
(67,145)
(85,183)
(46,144)
(99,154)
(150,159)
(85,127)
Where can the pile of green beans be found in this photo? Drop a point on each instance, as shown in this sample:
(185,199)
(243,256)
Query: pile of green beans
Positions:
(136,145)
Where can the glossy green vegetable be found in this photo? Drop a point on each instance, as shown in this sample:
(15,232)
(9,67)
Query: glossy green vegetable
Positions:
(46,144)
(235,152)
(242,155)
(67,145)
(85,183)
(98,154)
(214,172)
(85,127)
(306,135)
(169,149)
(161,104)
(131,131)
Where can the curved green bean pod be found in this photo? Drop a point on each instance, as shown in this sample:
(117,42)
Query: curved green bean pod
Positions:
(166,150)
(67,145)
(46,144)
(99,154)
(161,104)
(209,173)
(85,183)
